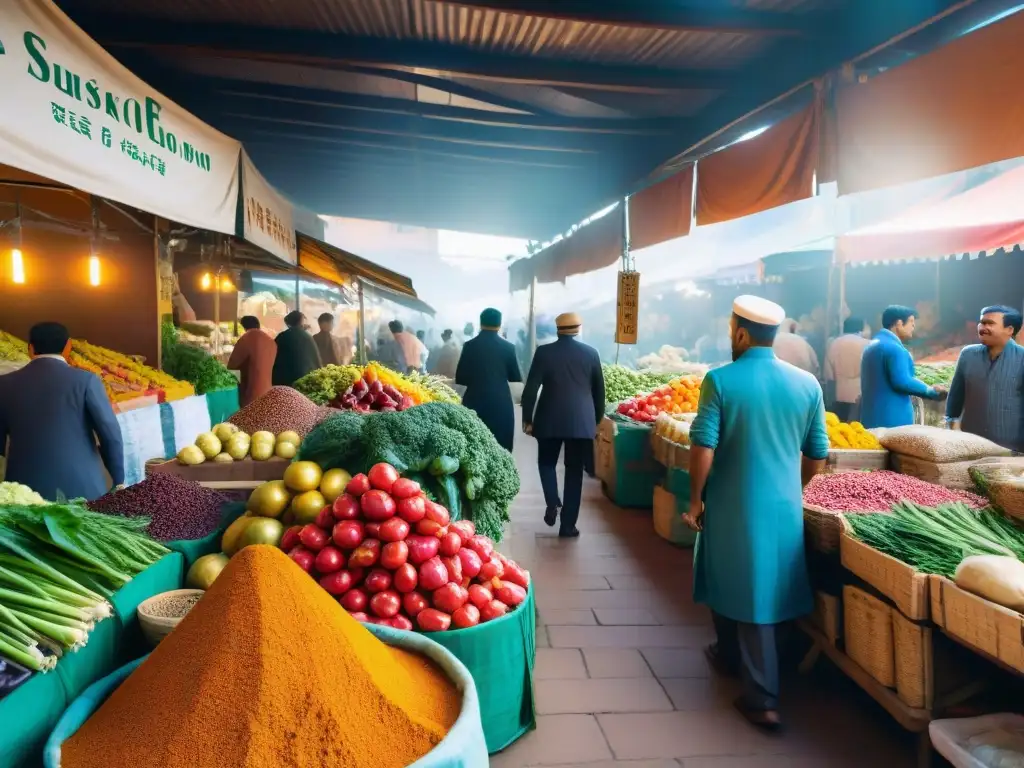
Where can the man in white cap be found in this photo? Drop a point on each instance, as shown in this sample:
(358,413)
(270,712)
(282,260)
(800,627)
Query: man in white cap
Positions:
(758,438)
(571,406)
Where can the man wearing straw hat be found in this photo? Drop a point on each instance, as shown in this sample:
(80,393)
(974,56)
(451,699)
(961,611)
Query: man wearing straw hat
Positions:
(758,438)
(571,383)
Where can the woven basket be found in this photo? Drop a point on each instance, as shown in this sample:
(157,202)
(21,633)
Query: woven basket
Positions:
(855,460)
(156,628)
(867,629)
(913,648)
(979,623)
(822,528)
(906,587)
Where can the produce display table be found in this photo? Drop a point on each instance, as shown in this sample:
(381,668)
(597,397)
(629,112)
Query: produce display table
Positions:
(500,655)
(32,710)
(632,471)
(222,404)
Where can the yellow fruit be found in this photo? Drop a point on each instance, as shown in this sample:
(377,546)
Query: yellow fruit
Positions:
(306,506)
(302,476)
(285,450)
(264,437)
(205,571)
(269,499)
(238,446)
(229,541)
(224,431)
(261,530)
(261,450)
(209,444)
(333,483)
(190,455)
(223,458)
(289,436)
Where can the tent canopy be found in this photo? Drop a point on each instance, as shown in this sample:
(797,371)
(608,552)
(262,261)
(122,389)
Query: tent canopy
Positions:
(333,264)
(986,217)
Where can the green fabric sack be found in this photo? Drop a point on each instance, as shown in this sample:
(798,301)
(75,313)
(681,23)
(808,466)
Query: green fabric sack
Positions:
(500,655)
(193,549)
(28,714)
(222,404)
(636,471)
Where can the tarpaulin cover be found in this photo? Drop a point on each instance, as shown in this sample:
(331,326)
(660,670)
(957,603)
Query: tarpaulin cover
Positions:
(946,111)
(347,264)
(764,172)
(662,211)
(591,247)
(987,217)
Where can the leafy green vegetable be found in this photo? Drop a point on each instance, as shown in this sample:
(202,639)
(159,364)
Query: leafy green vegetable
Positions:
(411,440)
(935,375)
(324,384)
(196,366)
(621,383)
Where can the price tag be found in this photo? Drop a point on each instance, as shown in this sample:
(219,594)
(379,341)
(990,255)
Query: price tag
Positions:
(627,308)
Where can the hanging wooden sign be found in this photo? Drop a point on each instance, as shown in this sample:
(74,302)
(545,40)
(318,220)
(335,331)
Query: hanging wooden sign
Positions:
(627,308)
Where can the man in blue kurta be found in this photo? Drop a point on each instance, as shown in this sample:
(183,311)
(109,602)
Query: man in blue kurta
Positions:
(887,373)
(758,438)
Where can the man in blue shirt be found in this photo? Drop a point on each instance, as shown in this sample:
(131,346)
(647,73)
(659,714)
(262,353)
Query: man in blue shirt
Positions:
(758,438)
(887,373)
(987,393)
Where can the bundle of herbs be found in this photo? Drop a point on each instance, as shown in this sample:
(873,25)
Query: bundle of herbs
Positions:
(937,539)
(59,564)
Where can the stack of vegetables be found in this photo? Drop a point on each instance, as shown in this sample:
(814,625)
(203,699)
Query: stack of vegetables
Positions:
(192,364)
(852,435)
(332,384)
(226,443)
(124,378)
(444,447)
(878,491)
(12,349)
(59,564)
(935,374)
(669,359)
(392,556)
(680,395)
(621,383)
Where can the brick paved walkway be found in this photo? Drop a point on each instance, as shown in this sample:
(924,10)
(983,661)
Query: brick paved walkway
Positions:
(621,681)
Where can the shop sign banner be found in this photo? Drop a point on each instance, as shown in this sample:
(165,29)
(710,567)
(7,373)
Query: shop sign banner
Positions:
(627,306)
(73,114)
(268,217)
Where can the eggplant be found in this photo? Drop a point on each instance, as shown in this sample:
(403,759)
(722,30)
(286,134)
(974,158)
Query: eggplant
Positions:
(393,393)
(376,387)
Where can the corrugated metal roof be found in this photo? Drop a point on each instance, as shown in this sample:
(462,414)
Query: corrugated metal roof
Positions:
(478,29)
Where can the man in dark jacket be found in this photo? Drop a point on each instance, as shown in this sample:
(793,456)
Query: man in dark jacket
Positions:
(296,351)
(54,415)
(571,383)
(487,365)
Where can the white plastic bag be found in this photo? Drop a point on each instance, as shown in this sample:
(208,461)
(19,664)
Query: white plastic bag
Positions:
(994,577)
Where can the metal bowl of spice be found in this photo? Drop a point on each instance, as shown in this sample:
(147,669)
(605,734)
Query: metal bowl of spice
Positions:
(161,613)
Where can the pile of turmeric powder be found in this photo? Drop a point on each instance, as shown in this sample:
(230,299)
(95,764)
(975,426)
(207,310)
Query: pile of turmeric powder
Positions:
(268,671)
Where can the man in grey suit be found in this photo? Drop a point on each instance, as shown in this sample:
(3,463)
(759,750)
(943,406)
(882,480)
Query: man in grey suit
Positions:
(54,414)
(571,383)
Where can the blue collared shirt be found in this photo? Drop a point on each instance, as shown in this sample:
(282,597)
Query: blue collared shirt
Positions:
(987,395)
(887,383)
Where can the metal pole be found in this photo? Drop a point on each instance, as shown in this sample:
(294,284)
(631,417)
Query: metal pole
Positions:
(842,293)
(159,294)
(297,291)
(533,318)
(216,313)
(362,325)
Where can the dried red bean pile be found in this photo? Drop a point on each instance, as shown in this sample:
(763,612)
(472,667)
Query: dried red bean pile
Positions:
(878,491)
(279,410)
(177,508)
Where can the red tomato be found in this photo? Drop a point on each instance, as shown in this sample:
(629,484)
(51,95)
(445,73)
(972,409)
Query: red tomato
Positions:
(290,540)
(377,580)
(313,537)
(302,557)
(358,485)
(466,616)
(377,506)
(348,534)
(386,604)
(479,595)
(382,477)
(329,559)
(355,600)
(451,543)
(345,507)
(432,620)
(337,583)
(395,529)
(366,554)
(394,555)
(404,488)
(414,602)
(450,598)
(406,578)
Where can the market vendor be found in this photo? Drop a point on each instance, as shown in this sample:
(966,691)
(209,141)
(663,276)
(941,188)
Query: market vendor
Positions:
(296,351)
(253,356)
(487,364)
(986,394)
(758,438)
(887,373)
(569,377)
(54,416)
(842,368)
(328,345)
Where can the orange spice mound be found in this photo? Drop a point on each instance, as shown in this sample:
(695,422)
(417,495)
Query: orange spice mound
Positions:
(268,671)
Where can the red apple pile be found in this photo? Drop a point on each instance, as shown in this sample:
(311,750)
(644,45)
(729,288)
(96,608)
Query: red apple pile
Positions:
(391,556)
(369,394)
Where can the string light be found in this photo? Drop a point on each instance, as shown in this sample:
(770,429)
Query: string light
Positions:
(17,267)
(206,281)
(94,270)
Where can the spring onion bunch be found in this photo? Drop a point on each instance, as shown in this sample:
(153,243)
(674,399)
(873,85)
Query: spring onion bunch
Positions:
(59,564)
(937,539)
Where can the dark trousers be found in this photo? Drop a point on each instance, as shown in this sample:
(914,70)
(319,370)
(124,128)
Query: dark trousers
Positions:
(576,451)
(846,411)
(753,649)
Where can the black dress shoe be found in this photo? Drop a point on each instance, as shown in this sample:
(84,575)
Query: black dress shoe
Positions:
(550,516)
(569,533)
(765,719)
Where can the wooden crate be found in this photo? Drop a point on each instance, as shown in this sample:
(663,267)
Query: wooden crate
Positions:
(912,646)
(828,616)
(245,471)
(996,631)
(907,588)
(855,460)
(868,635)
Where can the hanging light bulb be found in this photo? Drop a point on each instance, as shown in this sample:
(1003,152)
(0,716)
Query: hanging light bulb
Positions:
(94,270)
(206,281)
(17,267)
(225,285)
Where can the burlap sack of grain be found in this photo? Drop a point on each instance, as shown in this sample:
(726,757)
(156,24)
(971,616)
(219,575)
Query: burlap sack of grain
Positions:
(938,445)
(950,474)
(1002,480)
